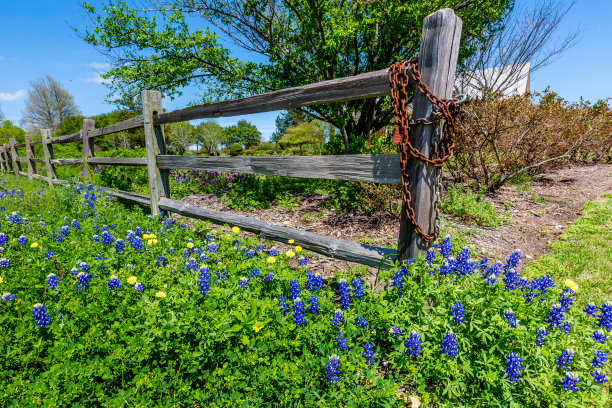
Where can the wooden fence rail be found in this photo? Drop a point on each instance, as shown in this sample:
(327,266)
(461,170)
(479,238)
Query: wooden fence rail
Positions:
(437,63)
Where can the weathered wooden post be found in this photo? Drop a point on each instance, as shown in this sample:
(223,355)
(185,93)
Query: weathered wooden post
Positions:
(16,166)
(7,157)
(437,63)
(159,185)
(30,156)
(88,147)
(2,159)
(48,151)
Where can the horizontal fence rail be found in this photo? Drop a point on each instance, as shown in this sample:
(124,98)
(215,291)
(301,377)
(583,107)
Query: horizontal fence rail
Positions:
(374,168)
(119,161)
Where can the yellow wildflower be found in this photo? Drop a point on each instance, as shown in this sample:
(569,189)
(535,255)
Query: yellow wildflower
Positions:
(271,259)
(132,280)
(152,236)
(150,242)
(571,284)
(161,295)
(290,254)
(145,236)
(236,229)
(34,245)
(257,327)
(298,249)
(291,242)
(1,279)
(190,245)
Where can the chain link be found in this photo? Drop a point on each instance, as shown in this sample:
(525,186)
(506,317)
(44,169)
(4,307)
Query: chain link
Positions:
(442,117)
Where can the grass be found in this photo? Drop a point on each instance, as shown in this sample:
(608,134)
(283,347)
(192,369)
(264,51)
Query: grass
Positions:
(470,207)
(583,253)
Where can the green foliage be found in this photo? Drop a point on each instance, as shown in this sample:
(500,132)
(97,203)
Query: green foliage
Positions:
(235,149)
(470,207)
(284,121)
(243,133)
(304,133)
(583,252)
(170,345)
(210,135)
(294,44)
(8,130)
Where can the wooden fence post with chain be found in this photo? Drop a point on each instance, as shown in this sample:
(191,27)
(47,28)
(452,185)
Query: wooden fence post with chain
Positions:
(30,156)
(48,152)
(437,63)
(88,147)
(159,185)
(16,166)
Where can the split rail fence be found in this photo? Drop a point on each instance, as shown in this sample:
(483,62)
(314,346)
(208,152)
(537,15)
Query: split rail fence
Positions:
(437,63)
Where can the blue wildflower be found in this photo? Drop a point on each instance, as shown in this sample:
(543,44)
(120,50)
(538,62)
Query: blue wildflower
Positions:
(449,344)
(566,300)
(4,262)
(3,238)
(565,359)
(510,318)
(298,311)
(599,336)
(273,251)
(337,317)
(357,288)
(314,281)
(52,281)
(7,297)
(361,322)
(302,261)
(413,344)
(368,353)
(283,304)
(599,376)
(22,240)
(600,359)
(107,238)
(269,276)
(344,294)
(457,313)
(204,281)
(342,342)
(555,316)
(541,334)
(591,309)
(119,246)
(333,369)
(314,304)
(114,284)
(397,280)
(243,282)
(396,330)
(605,316)
(446,248)
(294,289)
(570,381)
(161,261)
(254,273)
(40,315)
(191,265)
(513,368)
(139,287)
(83,279)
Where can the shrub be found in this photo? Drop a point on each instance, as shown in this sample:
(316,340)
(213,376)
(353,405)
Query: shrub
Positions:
(502,137)
(470,207)
(235,149)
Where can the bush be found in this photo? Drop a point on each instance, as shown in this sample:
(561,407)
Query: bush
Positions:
(502,137)
(215,324)
(470,207)
(235,149)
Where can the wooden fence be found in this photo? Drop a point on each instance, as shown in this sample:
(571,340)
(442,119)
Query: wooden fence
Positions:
(437,63)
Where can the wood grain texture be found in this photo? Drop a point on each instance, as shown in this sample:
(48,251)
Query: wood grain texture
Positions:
(437,63)
(64,162)
(14,156)
(36,143)
(335,248)
(20,145)
(30,156)
(87,148)
(21,159)
(368,85)
(375,168)
(48,152)
(119,161)
(75,137)
(35,160)
(128,124)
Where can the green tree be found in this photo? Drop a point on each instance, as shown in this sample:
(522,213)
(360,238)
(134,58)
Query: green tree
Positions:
(164,47)
(242,132)
(180,135)
(284,121)
(8,130)
(210,134)
(304,133)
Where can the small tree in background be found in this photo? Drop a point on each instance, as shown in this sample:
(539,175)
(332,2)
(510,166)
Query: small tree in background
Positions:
(284,121)
(180,135)
(305,133)
(48,104)
(243,133)
(210,135)
(8,130)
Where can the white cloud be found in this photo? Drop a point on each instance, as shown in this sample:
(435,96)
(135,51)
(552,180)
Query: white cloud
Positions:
(7,96)
(99,65)
(97,79)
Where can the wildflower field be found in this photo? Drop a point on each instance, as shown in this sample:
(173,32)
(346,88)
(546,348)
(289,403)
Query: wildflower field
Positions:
(103,305)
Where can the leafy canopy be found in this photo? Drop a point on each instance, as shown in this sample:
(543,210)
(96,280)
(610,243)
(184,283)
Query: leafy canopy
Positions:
(235,48)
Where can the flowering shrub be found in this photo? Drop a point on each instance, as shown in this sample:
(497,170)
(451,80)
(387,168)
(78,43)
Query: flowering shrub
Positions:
(220,319)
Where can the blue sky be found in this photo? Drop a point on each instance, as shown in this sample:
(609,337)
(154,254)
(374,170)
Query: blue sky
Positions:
(37,39)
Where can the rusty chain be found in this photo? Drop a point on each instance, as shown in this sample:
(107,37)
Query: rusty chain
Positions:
(400,75)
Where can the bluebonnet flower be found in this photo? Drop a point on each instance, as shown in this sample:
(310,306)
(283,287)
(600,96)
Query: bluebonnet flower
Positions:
(204,280)
(555,316)
(462,262)
(599,336)
(314,281)
(136,243)
(446,248)
(269,276)
(48,255)
(7,297)
(600,359)
(138,231)
(212,248)
(491,279)
(5,262)
(538,288)
(314,304)
(510,318)
(161,261)
(342,342)
(565,327)
(114,284)
(294,289)
(605,316)
(119,246)
(565,359)
(221,275)
(258,248)
(513,260)
(566,299)
(273,252)
(75,224)
(83,279)
(368,353)
(337,317)
(298,311)
(397,280)
(139,287)
(3,238)
(599,376)
(413,344)
(254,273)
(449,344)
(513,368)
(250,254)
(302,261)
(361,322)
(333,369)
(591,309)
(52,281)
(457,313)
(511,280)
(22,240)
(191,265)
(357,288)
(396,330)
(344,293)
(243,282)
(40,315)
(107,238)
(570,381)
(283,304)
(430,257)
(541,334)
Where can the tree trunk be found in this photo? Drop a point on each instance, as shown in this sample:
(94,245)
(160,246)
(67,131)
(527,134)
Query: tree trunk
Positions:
(345,139)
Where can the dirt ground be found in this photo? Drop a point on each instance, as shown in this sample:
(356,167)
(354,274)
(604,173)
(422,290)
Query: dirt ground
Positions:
(534,215)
